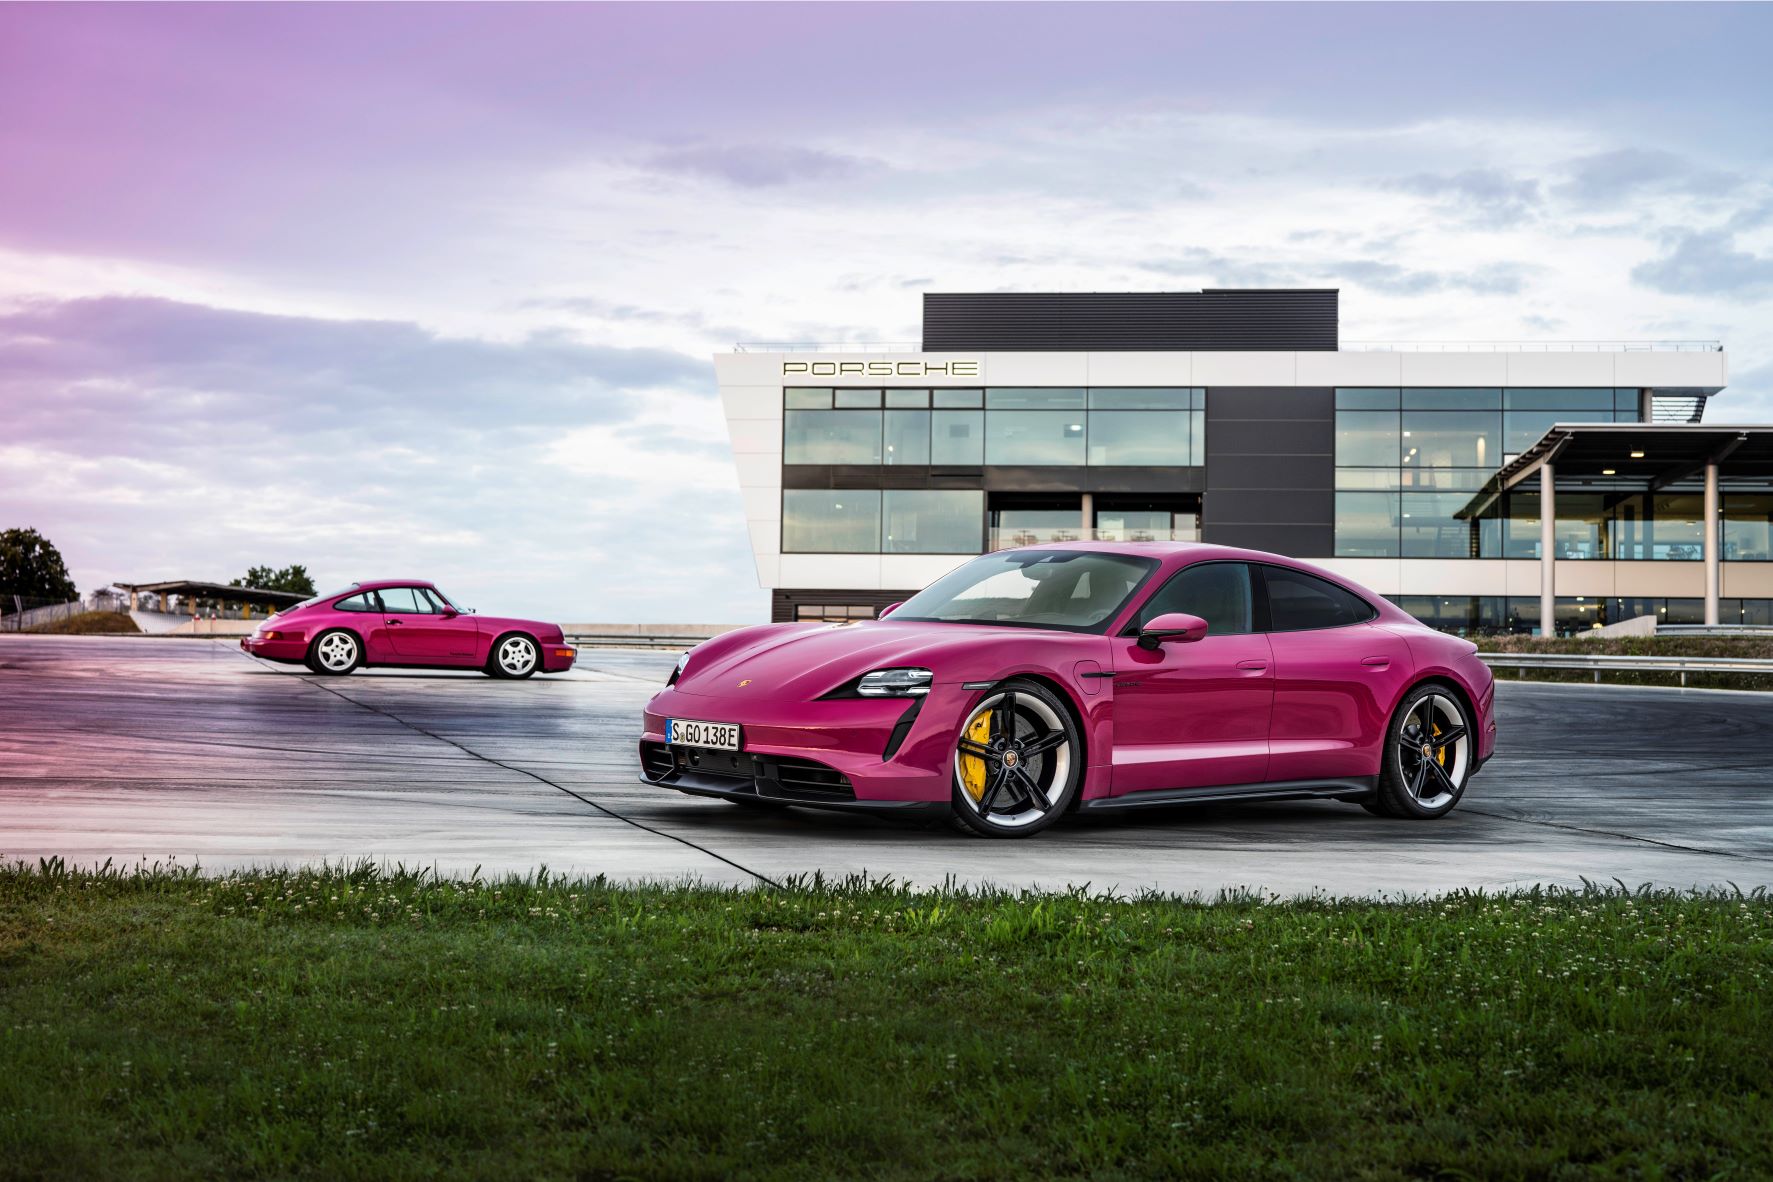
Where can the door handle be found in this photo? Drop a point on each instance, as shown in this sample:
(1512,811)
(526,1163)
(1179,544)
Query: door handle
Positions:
(1376,662)
(393,623)
(1252,664)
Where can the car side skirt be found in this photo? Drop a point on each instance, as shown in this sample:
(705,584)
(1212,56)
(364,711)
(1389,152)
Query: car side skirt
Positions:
(1352,788)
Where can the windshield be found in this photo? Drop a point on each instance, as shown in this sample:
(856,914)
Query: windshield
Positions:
(1072,590)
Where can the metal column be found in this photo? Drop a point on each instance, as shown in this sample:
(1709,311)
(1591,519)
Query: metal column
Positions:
(1547,553)
(1711,543)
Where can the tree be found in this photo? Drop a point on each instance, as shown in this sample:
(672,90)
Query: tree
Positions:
(32,568)
(294,579)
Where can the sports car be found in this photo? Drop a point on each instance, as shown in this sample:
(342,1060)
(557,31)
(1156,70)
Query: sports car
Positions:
(1096,677)
(406,622)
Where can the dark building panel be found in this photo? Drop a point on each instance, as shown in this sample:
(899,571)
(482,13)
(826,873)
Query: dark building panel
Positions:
(1119,321)
(784,602)
(1270,475)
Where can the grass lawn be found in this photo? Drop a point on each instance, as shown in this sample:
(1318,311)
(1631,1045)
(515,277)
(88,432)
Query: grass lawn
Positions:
(356,1025)
(89,624)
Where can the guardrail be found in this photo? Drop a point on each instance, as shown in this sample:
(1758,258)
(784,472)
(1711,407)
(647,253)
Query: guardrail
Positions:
(631,640)
(1599,663)
(1714,629)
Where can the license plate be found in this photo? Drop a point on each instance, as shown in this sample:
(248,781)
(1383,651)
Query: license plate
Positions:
(722,736)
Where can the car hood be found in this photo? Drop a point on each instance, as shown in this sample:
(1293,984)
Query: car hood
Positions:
(803,661)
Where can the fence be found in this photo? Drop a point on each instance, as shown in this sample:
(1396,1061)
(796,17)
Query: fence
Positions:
(1756,671)
(18,614)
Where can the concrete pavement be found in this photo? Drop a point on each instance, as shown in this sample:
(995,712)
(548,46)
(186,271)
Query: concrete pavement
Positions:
(140,749)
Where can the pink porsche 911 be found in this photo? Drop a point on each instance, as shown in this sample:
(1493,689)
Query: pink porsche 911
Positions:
(1100,676)
(406,622)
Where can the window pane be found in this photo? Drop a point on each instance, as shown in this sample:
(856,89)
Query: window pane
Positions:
(1625,402)
(1366,399)
(1366,438)
(924,521)
(404,601)
(1452,399)
(957,436)
(907,437)
(1033,398)
(1134,437)
(907,399)
(959,399)
(857,399)
(1366,525)
(356,603)
(831,437)
(1470,479)
(817,520)
(1652,527)
(1372,479)
(802,398)
(1142,398)
(1521,429)
(1451,439)
(1298,601)
(1539,398)
(1748,527)
(1035,437)
(1217,592)
(1031,527)
(1428,528)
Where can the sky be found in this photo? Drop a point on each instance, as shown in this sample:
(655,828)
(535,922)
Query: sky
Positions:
(433,291)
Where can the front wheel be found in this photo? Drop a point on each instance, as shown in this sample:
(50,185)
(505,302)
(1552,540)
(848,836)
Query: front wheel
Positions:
(1018,762)
(335,653)
(514,656)
(1428,756)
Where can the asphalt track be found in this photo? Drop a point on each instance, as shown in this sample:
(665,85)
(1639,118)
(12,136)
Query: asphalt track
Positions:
(188,751)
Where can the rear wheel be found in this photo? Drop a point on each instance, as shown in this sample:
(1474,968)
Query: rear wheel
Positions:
(1428,756)
(1018,762)
(515,656)
(334,653)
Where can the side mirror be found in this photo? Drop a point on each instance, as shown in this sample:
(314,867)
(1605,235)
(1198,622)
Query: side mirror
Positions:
(450,613)
(1179,627)
(889,609)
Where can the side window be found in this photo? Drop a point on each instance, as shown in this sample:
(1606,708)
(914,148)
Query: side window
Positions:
(1298,601)
(405,601)
(359,602)
(1217,592)
(435,598)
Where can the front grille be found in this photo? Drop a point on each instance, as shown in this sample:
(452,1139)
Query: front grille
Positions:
(739,771)
(809,779)
(655,761)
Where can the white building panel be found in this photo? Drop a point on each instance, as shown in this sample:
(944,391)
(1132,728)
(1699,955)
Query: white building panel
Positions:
(1141,369)
(1348,369)
(1037,369)
(1560,369)
(1245,369)
(751,402)
(757,436)
(1455,369)
(914,572)
(1675,371)
(849,572)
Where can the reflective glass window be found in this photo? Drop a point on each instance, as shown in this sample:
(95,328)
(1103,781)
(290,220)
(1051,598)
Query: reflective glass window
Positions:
(1033,398)
(1748,527)
(1451,439)
(932,521)
(1142,398)
(1157,438)
(1367,524)
(1521,429)
(1665,527)
(1366,399)
(802,398)
(1625,404)
(907,437)
(1418,398)
(1034,437)
(1567,399)
(1034,525)
(405,601)
(907,399)
(831,437)
(958,399)
(1471,479)
(1218,592)
(957,437)
(857,399)
(1298,602)
(1368,479)
(1429,529)
(819,521)
(1367,439)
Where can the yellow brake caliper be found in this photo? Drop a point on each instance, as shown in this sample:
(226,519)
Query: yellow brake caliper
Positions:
(972,768)
(1440,753)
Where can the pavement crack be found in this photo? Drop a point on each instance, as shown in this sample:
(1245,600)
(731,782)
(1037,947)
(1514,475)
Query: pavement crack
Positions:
(1668,845)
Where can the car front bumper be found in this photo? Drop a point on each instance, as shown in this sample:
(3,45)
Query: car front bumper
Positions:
(558,658)
(874,754)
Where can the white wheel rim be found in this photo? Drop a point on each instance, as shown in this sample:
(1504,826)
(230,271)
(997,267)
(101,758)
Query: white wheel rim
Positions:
(1051,768)
(338,651)
(517,655)
(1433,751)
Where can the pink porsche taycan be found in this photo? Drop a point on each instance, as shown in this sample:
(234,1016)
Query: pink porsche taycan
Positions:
(406,622)
(1029,683)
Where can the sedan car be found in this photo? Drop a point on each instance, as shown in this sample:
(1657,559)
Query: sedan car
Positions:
(406,622)
(1029,683)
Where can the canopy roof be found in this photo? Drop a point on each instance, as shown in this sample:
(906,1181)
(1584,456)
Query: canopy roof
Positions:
(217,591)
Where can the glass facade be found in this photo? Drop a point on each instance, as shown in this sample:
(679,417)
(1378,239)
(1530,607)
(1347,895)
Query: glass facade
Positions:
(1409,459)
(1065,427)
(1475,615)
(873,521)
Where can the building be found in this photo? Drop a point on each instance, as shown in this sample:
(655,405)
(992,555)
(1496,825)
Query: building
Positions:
(1418,469)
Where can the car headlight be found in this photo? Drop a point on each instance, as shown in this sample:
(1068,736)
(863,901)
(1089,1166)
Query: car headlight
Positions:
(895,683)
(677,672)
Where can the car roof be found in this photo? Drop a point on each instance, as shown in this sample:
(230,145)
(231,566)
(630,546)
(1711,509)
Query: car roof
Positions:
(378,584)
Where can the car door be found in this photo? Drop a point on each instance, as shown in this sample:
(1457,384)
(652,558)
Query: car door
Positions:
(1335,675)
(422,633)
(1194,715)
